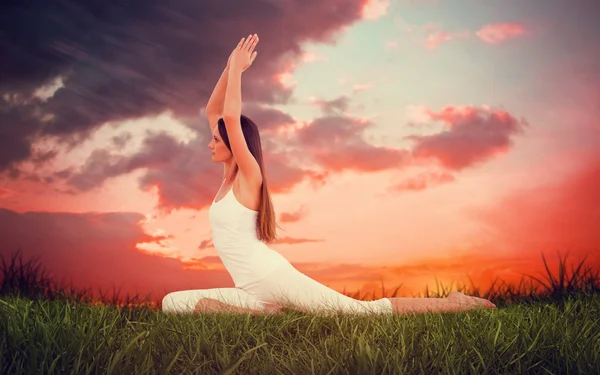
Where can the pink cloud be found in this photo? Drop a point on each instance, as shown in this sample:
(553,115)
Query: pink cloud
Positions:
(474,135)
(337,143)
(293,241)
(374,9)
(435,39)
(292,217)
(499,32)
(492,33)
(423,181)
(361,87)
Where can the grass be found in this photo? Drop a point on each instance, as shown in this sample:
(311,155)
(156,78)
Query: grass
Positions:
(50,330)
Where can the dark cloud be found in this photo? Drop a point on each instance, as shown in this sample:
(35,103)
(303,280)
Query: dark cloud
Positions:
(334,106)
(268,120)
(120,60)
(206,244)
(121,140)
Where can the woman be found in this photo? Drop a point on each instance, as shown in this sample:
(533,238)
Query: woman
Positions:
(243,221)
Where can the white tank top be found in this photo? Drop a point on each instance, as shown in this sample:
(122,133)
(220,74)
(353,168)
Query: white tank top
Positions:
(233,226)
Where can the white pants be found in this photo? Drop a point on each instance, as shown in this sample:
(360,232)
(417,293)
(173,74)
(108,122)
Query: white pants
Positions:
(285,286)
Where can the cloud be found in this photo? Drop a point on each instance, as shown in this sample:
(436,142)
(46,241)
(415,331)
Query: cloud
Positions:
(375,9)
(474,135)
(292,217)
(167,162)
(361,87)
(337,143)
(499,32)
(431,36)
(423,181)
(435,39)
(133,62)
(334,106)
(311,152)
(269,120)
(206,244)
(293,241)
(5,193)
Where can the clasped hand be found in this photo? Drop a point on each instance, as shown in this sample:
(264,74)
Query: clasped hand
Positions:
(243,54)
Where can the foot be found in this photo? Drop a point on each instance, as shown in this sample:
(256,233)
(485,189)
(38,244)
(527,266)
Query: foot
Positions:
(272,309)
(469,300)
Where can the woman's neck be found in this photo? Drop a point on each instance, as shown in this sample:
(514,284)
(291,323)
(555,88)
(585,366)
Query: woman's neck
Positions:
(231,169)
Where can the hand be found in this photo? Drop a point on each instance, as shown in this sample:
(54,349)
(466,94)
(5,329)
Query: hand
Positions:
(242,56)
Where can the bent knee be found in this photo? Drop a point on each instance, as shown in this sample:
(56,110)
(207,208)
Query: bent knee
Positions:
(176,302)
(168,303)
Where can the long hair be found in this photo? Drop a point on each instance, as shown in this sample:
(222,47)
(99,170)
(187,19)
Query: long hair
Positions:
(265,220)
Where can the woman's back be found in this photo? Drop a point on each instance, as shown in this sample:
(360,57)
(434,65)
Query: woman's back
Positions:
(234,233)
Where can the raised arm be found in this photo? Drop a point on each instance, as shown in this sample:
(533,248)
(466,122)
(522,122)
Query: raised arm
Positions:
(214,108)
(241,58)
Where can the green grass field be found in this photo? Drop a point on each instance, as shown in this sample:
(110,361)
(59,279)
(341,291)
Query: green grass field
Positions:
(46,330)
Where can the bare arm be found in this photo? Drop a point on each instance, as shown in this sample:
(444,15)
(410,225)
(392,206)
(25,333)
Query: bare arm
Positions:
(231,116)
(217,98)
(242,58)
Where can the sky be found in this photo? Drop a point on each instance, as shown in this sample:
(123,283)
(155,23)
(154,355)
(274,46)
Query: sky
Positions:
(408,143)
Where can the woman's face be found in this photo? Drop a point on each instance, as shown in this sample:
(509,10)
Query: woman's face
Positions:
(220,152)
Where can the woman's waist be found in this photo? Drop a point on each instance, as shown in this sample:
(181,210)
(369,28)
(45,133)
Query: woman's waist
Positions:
(238,243)
(228,234)
(246,251)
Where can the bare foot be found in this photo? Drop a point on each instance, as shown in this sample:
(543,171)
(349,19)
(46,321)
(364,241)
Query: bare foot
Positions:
(469,300)
(272,309)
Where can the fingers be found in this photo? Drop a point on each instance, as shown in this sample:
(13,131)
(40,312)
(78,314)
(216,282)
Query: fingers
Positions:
(253,43)
(250,42)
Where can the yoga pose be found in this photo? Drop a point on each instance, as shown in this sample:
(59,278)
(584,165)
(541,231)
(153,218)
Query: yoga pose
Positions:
(242,220)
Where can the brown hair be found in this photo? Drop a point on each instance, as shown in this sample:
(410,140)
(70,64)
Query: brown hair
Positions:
(265,220)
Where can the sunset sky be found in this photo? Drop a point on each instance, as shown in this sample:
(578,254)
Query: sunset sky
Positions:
(407,142)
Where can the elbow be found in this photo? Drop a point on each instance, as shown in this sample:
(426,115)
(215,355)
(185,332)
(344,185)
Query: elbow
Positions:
(228,116)
(232,108)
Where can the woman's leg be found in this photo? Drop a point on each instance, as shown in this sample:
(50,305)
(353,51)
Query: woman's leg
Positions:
(455,302)
(212,300)
(288,287)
